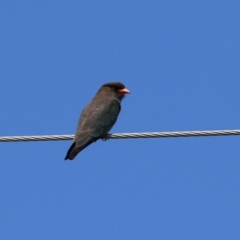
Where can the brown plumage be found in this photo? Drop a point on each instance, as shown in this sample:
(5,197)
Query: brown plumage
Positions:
(98,117)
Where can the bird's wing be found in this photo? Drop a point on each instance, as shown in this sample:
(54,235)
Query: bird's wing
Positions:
(107,118)
(97,121)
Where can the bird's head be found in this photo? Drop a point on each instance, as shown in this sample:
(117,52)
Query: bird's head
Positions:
(117,88)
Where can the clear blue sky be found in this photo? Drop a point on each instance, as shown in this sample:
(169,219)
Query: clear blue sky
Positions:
(181,62)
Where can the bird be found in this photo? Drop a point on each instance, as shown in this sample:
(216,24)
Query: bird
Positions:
(98,117)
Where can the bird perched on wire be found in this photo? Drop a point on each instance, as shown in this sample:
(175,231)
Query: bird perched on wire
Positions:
(98,117)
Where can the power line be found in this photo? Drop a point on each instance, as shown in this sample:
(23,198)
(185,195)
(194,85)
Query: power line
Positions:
(124,135)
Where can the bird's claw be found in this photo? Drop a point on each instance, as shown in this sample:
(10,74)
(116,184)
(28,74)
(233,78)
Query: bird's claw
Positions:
(106,137)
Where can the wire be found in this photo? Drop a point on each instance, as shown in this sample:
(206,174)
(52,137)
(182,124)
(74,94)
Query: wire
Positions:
(124,135)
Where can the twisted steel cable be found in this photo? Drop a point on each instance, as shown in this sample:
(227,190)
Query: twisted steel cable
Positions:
(124,135)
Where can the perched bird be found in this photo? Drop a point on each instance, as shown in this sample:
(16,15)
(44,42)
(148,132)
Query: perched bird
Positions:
(98,117)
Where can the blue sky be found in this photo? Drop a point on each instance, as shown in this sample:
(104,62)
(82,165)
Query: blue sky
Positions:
(180,60)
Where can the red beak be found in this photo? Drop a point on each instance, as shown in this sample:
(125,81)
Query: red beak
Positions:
(124,91)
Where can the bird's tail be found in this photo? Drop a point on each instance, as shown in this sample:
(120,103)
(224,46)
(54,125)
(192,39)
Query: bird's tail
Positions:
(71,153)
(75,149)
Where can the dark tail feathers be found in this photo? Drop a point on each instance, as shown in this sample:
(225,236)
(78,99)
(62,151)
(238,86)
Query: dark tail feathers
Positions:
(73,150)
(69,155)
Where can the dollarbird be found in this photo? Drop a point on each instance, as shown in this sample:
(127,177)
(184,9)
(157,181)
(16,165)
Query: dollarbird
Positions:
(98,117)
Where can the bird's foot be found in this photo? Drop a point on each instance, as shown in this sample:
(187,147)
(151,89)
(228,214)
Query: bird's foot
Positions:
(106,137)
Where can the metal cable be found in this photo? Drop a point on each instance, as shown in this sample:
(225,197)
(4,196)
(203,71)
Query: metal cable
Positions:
(124,135)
